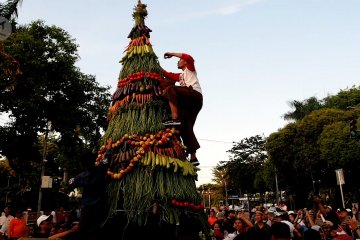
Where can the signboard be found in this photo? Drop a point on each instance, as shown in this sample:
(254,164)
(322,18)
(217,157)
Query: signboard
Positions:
(5,28)
(339,176)
(46,182)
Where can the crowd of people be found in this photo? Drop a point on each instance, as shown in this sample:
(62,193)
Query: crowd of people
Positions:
(321,222)
(59,224)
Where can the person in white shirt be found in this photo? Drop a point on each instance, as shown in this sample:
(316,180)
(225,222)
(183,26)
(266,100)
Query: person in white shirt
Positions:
(185,101)
(5,222)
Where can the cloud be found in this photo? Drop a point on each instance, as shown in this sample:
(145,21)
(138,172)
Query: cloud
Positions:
(231,9)
(224,10)
(235,8)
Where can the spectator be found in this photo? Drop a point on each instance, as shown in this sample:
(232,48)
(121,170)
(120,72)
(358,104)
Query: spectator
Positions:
(283,206)
(218,231)
(212,217)
(312,234)
(285,219)
(229,221)
(17,226)
(280,231)
(241,226)
(44,224)
(326,229)
(94,209)
(61,216)
(327,211)
(344,218)
(5,223)
(261,229)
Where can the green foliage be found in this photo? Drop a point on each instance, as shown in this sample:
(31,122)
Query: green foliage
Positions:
(247,158)
(305,153)
(344,99)
(302,108)
(309,150)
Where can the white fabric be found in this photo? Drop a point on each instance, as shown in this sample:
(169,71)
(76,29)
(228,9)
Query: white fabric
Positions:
(5,224)
(291,226)
(230,236)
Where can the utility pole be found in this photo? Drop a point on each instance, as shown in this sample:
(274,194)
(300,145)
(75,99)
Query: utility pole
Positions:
(226,195)
(43,165)
(209,199)
(277,188)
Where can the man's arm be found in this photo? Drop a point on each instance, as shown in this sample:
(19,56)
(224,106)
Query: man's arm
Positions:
(65,233)
(171,54)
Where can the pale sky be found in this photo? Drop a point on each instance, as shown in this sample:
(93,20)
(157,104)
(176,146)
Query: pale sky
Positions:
(252,56)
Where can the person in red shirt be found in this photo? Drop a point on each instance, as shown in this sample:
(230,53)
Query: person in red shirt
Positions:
(185,101)
(17,227)
(212,217)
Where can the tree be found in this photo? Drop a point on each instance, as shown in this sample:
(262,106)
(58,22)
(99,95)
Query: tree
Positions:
(49,89)
(302,108)
(247,159)
(307,152)
(150,179)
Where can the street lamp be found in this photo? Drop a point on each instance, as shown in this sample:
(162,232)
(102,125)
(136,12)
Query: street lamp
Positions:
(226,195)
(209,199)
(43,164)
(8,191)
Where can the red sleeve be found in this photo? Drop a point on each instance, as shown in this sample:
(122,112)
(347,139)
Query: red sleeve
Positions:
(172,76)
(10,230)
(190,62)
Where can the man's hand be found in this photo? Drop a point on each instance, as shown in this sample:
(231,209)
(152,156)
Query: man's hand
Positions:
(168,55)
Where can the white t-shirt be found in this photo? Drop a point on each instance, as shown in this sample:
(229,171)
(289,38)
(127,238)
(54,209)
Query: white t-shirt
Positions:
(190,78)
(291,226)
(5,224)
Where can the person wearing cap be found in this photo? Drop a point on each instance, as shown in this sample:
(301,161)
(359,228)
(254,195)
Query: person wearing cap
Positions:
(185,101)
(326,229)
(344,217)
(44,225)
(327,211)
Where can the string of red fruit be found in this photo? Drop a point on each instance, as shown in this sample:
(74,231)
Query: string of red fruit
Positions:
(186,204)
(138,76)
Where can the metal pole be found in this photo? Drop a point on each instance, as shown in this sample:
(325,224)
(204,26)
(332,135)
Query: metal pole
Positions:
(209,199)
(8,191)
(43,166)
(226,195)
(342,196)
(277,188)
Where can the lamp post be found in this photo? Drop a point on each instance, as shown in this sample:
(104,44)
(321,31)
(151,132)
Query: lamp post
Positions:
(226,195)
(43,165)
(8,191)
(209,199)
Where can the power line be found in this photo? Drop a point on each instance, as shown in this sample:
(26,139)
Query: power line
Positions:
(212,140)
